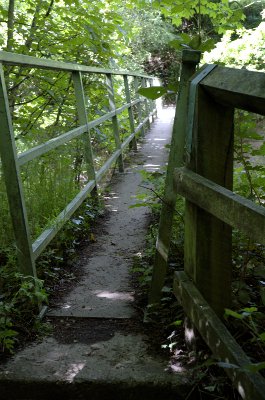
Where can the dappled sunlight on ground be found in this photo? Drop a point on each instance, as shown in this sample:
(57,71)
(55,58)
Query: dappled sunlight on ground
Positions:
(115,295)
(73,370)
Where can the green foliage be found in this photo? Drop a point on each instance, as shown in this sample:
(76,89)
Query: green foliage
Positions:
(55,30)
(245,50)
(7,334)
(249,322)
(194,42)
(221,14)
(252,11)
(249,174)
(22,295)
(19,306)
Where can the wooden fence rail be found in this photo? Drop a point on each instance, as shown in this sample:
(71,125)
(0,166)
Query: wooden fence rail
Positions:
(205,121)
(11,161)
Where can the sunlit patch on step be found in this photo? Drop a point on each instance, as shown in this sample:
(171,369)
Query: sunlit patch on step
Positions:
(115,295)
(73,371)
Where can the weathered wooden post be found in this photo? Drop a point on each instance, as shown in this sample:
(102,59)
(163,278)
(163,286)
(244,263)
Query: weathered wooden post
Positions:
(83,120)
(115,123)
(146,103)
(152,102)
(190,60)
(14,185)
(212,209)
(208,241)
(138,105)
(133,143)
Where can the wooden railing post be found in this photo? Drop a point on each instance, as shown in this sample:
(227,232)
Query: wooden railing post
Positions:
(83,120)
(146,103)
(152,102)
(133,143)
(115,123)
(14,185)
(208,241)
(190,60)
(138,106)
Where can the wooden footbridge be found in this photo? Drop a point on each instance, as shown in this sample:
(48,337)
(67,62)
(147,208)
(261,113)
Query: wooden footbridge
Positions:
(200,168)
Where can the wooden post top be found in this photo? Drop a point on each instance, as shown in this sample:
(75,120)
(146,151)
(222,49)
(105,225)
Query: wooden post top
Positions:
(191,56)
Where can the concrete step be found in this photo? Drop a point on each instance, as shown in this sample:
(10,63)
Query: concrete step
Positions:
(118,368)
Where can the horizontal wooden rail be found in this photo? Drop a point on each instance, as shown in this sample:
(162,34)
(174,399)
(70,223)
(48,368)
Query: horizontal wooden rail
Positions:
(44,239)
(250,385)
(52,144)
(34,62)
(234,210)
(239,88)
(113,158)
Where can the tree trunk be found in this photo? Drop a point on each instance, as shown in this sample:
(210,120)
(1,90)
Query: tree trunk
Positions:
(10,26)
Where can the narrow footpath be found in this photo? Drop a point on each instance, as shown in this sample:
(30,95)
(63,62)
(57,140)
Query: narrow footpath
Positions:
(100,356)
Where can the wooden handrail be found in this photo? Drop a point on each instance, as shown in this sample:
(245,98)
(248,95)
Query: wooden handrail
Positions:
(8,58)
(11,161)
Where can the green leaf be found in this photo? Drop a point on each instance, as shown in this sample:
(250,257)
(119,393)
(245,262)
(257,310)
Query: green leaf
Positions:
(262,336)
(261,150)
(255,367)
(7,333)
(195,42)
(185,38)
(227,365)
(153,92)
(166,289)
(177,323)
(176,44)
(207,45)
(174,87)
(234,314)
(250,310)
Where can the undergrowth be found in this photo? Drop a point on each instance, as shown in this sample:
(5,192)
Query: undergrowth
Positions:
(22,297)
